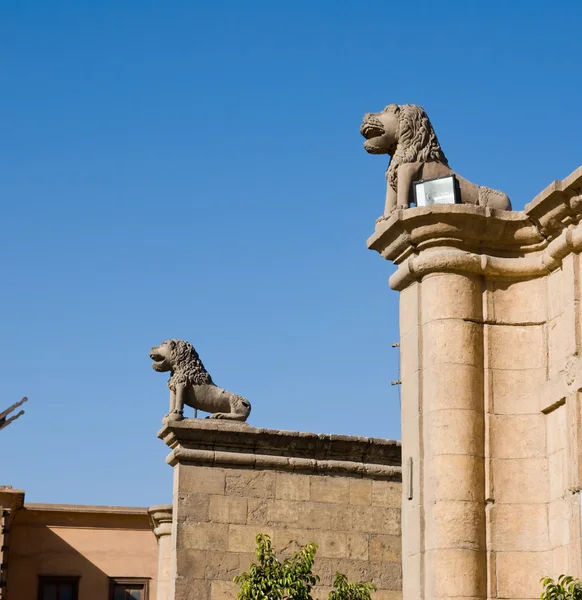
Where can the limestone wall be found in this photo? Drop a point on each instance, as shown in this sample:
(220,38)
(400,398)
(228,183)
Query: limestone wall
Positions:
(233,482)
(491,379)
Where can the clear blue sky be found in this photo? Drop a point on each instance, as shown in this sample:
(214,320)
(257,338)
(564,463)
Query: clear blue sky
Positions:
(194,170)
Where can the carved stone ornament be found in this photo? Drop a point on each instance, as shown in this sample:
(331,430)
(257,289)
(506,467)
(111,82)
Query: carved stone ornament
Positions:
(406,134)
(191,385)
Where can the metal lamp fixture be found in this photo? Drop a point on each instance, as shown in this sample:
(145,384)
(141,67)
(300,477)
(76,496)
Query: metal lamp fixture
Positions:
(442,190)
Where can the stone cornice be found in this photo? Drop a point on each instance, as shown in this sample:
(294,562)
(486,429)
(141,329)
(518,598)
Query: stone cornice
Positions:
(558,206)
(470,239)
(215,443)
(161,519)
(11,499)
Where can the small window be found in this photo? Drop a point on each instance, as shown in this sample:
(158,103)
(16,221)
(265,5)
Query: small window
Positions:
(58,588)
(128,588)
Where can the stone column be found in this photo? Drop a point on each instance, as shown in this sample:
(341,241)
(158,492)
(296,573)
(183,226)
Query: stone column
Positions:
(443,434)
(161,517)
(451,371)
(445,256)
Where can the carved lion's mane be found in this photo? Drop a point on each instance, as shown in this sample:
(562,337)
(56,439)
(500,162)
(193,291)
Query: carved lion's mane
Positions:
(417,141)
(187,368)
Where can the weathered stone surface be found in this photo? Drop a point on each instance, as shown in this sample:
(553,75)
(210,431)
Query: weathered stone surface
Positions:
(517,392)
(371,520)
(519,573)
(253,484)
(519,479)
(203,480)
(385,548)
(228,509)
(453,431)
(516,347)
(192,507)
(458,388)
(284,512)
(455,477)
(518,436)
(519,527)
(557,474)
(223,590)
(335,490)
(387,494)
(453,524)
(456,569)
(559,517)
(241,538)
(518,303)
(409,308)
(453,342)
(202,536)
(222,508)
(292,487)
(358,546)
(491,422)
(459,297)
(360,492)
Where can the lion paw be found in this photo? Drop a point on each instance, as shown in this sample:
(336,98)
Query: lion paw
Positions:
(218,416)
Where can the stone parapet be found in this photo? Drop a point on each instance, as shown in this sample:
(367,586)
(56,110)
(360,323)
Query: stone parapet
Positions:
(223,443)
(233,481)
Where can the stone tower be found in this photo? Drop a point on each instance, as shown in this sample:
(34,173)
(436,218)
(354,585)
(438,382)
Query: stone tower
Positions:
(490,325)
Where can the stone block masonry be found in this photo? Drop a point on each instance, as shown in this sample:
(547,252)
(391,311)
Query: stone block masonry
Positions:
(233,481)
(490,323)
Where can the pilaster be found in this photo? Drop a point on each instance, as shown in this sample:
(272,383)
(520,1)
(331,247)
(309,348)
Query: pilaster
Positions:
(490,342)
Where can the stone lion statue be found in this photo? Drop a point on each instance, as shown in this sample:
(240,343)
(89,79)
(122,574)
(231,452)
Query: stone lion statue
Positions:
(190,384)
(406,134)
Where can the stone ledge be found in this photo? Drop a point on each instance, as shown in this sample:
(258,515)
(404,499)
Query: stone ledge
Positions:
(463,226)
(461,238)
(217,443)
(558,206)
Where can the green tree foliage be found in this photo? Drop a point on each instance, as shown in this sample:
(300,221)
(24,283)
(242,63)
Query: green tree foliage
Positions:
(292,578)
(566,588)
(344,590)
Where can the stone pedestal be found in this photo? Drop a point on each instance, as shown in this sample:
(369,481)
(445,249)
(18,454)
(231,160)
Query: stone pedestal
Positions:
(491,379)
(233,481)
(161,518)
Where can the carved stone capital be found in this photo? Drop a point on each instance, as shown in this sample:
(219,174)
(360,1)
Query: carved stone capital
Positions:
(470,239)
(161,518)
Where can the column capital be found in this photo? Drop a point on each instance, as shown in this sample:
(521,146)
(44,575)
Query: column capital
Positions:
(463,238)
(161,518)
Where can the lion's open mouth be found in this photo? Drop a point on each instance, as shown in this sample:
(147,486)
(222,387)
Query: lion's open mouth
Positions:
(370,130)
(157,357)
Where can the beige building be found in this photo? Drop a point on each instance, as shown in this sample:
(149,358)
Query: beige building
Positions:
(68,552)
